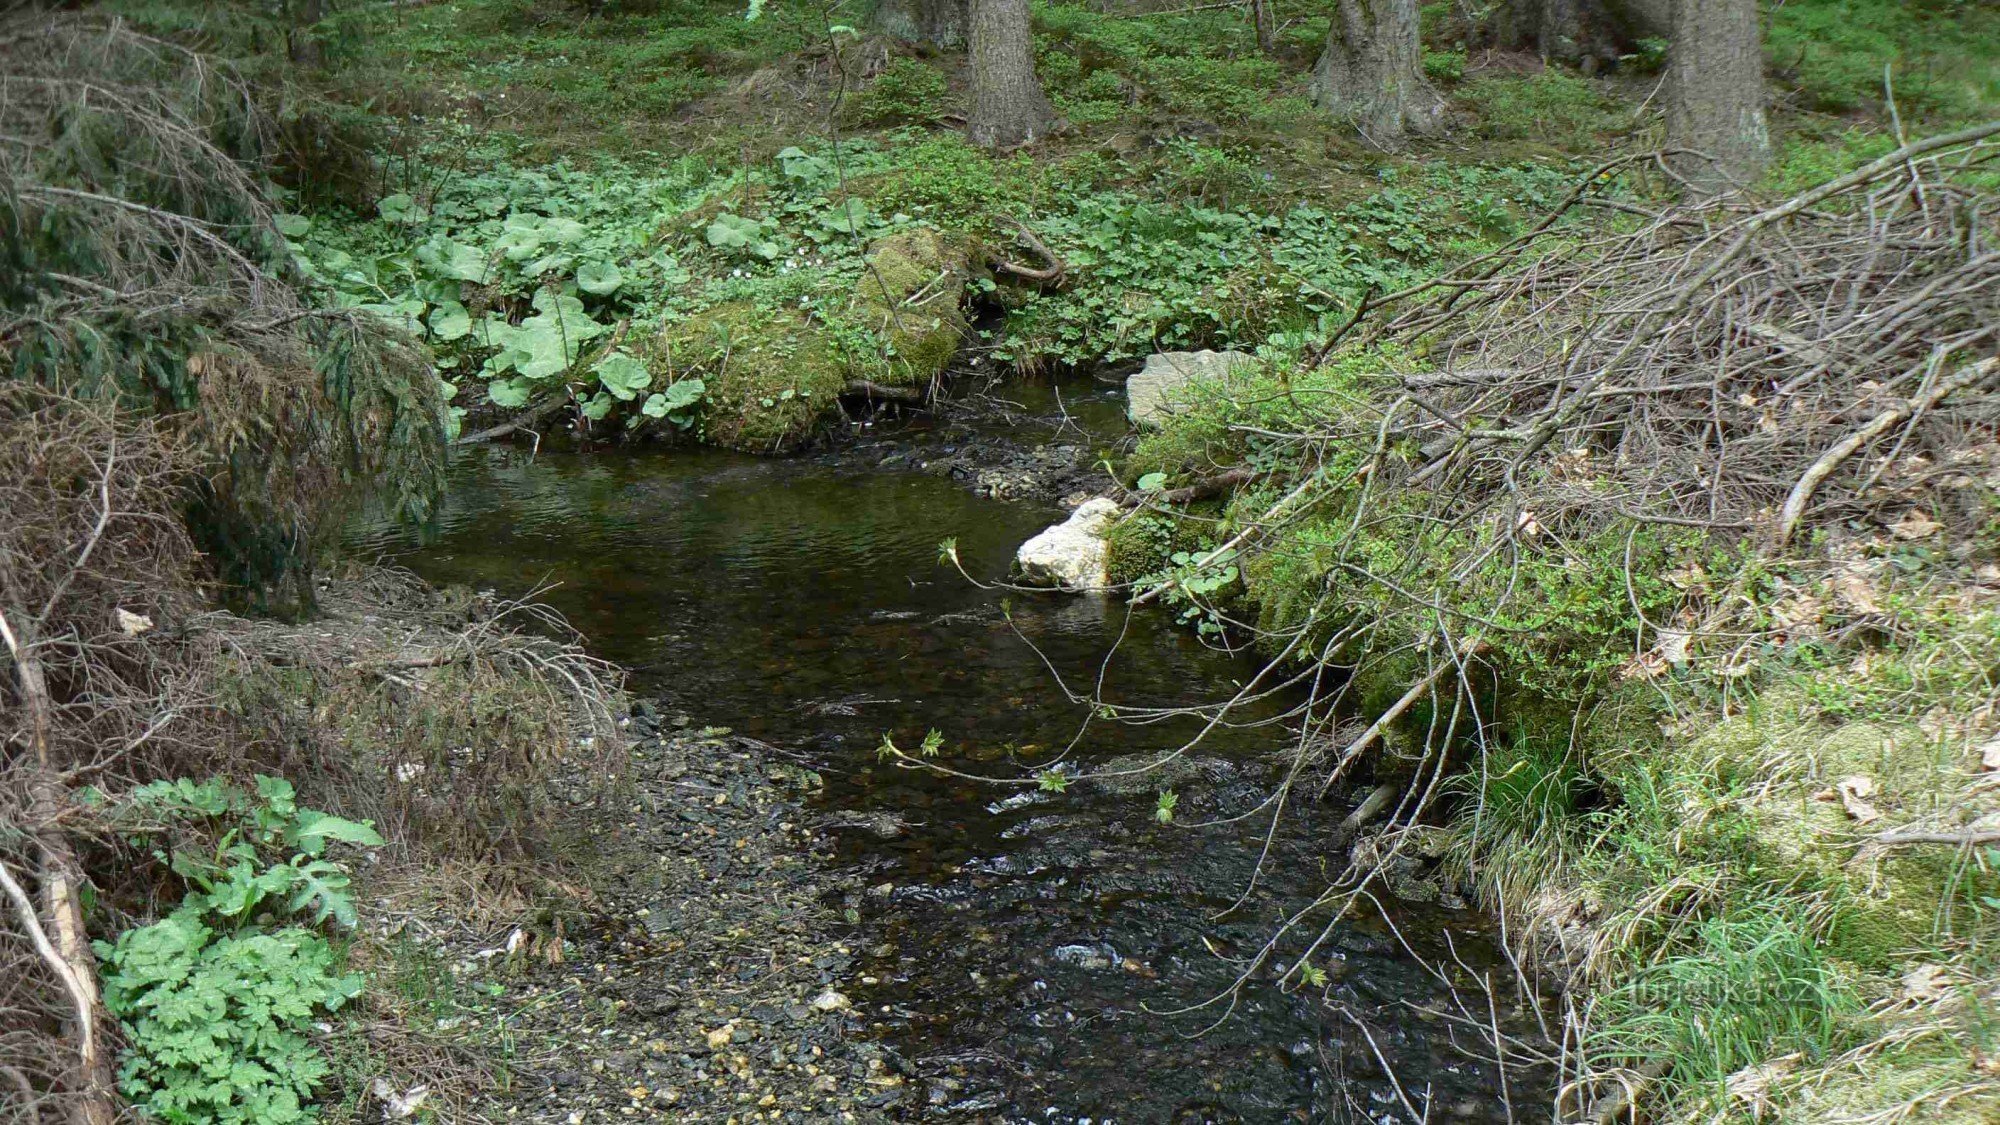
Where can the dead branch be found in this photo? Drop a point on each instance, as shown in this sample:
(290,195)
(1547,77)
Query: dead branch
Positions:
(1048,274)
(519,422)
(1802,492)
(869,389)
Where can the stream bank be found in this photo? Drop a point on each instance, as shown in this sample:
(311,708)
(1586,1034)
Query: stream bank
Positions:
(1009,953)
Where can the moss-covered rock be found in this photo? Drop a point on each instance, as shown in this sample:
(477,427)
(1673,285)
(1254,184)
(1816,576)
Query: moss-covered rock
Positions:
(775,373)
(909,297)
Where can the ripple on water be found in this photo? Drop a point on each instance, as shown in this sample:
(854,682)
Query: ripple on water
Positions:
(1034,946)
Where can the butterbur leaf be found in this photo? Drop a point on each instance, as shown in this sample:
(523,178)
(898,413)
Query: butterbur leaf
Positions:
(1151,482)
(622,375)
(597,407)
(733,232)
(599,278)
(449,321)
(509,392)
(684,394)
(292,226)
(452,260)
(398,208)
(847,217)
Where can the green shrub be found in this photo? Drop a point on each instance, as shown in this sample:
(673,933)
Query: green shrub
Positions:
(1554,106)
(218,999)
(219,1024)
(1834,53)
(907,92)
(1444,66)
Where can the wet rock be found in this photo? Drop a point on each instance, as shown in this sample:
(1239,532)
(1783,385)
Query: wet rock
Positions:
(1089,957)
(1159,388)
(1071,555)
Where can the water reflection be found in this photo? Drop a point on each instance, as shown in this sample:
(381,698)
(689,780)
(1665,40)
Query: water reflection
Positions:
(1024,942)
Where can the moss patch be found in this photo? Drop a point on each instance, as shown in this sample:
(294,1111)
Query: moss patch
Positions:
(908,297)
(775,372)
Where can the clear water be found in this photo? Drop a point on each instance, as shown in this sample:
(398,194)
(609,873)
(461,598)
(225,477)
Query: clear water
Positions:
(1027,947)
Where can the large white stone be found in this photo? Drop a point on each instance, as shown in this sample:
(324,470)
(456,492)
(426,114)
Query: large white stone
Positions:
(1160,388)
(1071,555)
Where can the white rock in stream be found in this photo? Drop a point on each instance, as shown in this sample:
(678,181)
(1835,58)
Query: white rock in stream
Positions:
(1071,555)
(1160,388)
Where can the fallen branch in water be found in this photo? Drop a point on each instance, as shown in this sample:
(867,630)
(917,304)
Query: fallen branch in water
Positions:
(867,388)
(519,422)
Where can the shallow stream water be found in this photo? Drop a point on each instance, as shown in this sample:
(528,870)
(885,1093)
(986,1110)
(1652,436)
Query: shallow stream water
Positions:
(1027,952)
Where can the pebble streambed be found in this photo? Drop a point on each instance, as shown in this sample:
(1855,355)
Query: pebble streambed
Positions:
(1027,955)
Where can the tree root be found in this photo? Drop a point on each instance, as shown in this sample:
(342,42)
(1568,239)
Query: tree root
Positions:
(1050,274)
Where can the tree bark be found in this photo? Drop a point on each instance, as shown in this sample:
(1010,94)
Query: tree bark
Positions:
(1260,18)
(940,23)
(1715,78)
(1008,105)
(1371,72)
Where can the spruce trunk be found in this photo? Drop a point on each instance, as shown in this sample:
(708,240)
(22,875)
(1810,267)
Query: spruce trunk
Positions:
(1371,73)
(1008,106)
(1715,79)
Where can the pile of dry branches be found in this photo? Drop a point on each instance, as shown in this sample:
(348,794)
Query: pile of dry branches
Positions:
(141,262)
(459,727)
(1716,365)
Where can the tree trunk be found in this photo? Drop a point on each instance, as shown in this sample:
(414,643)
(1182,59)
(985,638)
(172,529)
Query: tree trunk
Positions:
(940,23)
(1715,78)
(1371,72)
(1260,18)
(1008,106)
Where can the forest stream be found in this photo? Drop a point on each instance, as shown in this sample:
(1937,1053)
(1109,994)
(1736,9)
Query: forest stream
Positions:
(1066,951)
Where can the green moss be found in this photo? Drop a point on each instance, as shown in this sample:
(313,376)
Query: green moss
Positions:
(908,296)
(1145,543)
(773,375)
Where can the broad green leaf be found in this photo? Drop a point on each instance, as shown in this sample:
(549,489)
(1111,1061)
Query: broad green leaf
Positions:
(599,278)
(450,321)
(453,260)
(622,375)
(509,392)
(292,226)
(313,823)
(732,232)
(597,407)
(399,208)
(847,217)
(1151,482)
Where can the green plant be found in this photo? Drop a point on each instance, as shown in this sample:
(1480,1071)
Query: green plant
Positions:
(218,1022)
(1553,106)
(1744,988)
(1444,66)
(907,92)
(217,999)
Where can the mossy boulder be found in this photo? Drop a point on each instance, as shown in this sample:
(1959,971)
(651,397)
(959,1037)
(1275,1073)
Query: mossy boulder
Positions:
(910,296)
(775,373)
